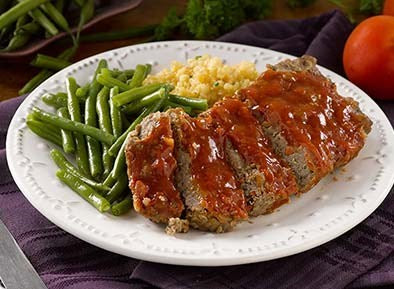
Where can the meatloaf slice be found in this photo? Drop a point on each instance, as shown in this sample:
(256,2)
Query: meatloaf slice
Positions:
(213,199)
(151,167)
(266,181)
(311,127)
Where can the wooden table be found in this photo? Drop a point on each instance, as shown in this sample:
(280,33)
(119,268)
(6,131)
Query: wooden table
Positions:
(14,74)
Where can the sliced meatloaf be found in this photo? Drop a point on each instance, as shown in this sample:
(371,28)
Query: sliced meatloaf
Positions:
(212,196)
(266,181)
(311,127)
(151,167)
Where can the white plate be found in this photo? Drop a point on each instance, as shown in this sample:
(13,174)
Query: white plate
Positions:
(335,205)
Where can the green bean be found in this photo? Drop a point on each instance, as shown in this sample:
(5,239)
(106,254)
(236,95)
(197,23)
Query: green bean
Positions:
(117,189)
(47,24)
(85,191)
(122,77)
(110,81)
(116,117)
(45,131)
(120,160)
(75,115)
(58,100)
(135,94)
(123,206)
(194,103)
(125,121)
(19,10)
(6,33)
(87,12)
(61,161)
(16,42)
(49,62)
(140,74)
(36,81)
(44,74)
(109,181)
(73,126)
(67,137)
(104,120)
(82,91)
(136,106)
(120,34)
(171,104)
(94,147)
(56,16)
(28,28)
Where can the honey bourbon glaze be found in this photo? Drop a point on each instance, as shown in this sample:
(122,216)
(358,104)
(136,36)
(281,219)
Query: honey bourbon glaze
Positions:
(310,113)
(151,167)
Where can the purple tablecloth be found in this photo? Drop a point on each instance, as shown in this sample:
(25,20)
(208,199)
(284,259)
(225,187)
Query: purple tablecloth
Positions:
(361,258)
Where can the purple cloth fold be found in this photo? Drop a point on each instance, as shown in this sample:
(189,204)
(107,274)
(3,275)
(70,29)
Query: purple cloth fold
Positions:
(361,258)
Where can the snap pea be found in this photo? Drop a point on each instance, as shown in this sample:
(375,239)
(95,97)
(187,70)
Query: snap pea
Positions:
(93,146)
(117,189)
(110,82)
(67,137)
(136,106)
(49,62)
(116,117)
(85,191)
(120,160)
(140,73)
(61,161)
(45,131)
(75,115)
(18,10)
(73,126)
(135,94)
(104,120)
(47,24)
(194,103)
(123,206)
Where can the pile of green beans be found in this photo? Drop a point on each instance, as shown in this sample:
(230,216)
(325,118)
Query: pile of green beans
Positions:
(92,123)
(23,20)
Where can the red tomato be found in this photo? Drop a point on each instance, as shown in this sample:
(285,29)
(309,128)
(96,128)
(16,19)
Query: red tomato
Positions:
(388,8)
(368,57)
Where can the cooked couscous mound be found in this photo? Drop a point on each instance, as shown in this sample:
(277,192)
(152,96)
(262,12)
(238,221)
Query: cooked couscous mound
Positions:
(206,77)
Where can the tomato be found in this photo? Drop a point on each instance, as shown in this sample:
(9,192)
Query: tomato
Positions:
(368,57)
(388,8)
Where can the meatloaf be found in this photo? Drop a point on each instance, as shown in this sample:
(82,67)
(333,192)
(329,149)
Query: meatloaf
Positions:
(267,182)
(213,199)
(245,155)
(311,127)
(151,167)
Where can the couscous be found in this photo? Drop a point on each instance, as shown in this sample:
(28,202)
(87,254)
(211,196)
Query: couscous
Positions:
(206,77)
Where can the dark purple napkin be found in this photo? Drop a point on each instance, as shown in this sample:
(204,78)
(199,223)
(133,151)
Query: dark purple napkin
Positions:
(361,258)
